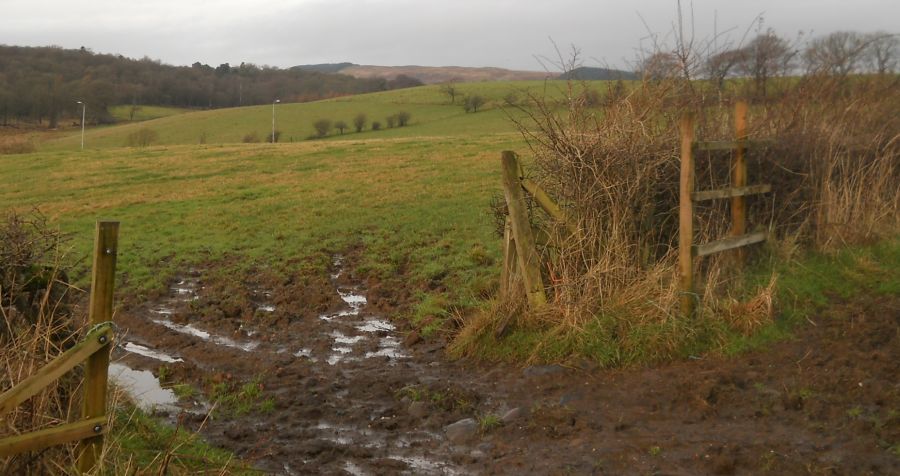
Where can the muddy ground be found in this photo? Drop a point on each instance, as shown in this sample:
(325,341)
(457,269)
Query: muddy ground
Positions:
(339,389)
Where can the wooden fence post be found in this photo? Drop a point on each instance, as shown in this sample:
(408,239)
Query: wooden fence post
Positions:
(686,216)
(96,370)
(739,176)
(529,261)
(510,260)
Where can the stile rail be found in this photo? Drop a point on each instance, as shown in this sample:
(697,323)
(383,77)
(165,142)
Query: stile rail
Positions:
(737,193)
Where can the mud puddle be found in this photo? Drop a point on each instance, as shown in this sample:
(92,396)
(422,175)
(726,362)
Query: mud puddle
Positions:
(333,379)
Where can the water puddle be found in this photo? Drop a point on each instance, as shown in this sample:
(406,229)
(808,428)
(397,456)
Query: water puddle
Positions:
(422,465)
(144,388)
(190,330)
(375,325)
(340,338)
(148,352)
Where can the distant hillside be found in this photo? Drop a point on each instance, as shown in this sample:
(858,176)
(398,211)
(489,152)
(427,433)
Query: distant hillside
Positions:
(440,74)
(590,73)
(462,74)
(39,84)
(427,74)
(323,67)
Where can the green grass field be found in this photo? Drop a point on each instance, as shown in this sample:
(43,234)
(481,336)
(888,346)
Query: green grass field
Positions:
(143,113)
(432,116)
(413,199)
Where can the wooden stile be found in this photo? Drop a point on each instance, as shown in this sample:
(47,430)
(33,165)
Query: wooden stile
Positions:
(738,236)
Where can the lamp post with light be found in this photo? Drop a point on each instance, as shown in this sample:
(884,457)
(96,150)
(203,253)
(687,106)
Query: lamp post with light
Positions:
(273,118)
(83,109)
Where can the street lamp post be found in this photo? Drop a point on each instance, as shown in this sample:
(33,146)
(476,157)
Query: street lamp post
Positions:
(83,109)
(273,118)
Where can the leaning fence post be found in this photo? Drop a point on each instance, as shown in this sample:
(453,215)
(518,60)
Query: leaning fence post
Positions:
(96,370)
(739,176)
(528,259)
(686,216)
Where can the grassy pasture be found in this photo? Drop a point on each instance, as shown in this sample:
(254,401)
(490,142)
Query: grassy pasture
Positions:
(144,113)
(415,204)
(432,116)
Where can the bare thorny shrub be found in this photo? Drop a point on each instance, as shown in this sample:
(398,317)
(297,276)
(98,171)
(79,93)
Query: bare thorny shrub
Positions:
(37,326)
(615,170)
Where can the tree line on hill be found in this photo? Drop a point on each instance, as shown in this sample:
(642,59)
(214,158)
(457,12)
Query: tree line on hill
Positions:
(42,84)
(768,55)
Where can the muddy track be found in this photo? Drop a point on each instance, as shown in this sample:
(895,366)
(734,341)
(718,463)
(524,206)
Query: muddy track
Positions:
(351,398)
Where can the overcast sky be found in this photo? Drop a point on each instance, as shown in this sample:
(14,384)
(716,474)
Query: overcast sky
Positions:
(504,33)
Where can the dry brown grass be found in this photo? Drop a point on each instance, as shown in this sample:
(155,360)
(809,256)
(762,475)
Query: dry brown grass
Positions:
(16,144)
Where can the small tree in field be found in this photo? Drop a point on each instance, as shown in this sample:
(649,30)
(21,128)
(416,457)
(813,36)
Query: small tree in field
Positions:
(403,118)
(391,121)
(322,126)
(473,102)
(340,126)
(450,90)
(359,122)
(376,126)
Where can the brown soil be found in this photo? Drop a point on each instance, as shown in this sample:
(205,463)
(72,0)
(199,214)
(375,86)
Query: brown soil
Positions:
(825,402)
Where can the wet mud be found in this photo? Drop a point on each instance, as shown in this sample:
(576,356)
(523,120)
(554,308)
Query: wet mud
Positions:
(349,392)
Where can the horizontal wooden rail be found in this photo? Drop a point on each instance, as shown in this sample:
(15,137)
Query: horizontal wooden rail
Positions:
(58,435)
(97,339)
(728,243)
(547,203)
(714,145)
(731,192)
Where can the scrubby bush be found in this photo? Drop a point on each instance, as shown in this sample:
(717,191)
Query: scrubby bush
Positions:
(833,163)
(142,137)
(322,127)
(270,138)
(250,138)
(403,118)
(473,102)
(340,126)
(376,126)
(359,122)
(391,121)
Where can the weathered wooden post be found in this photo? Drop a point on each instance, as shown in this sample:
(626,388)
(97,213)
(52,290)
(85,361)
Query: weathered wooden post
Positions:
(96,370)
(686,216)
(510,260)
(739,176)
(527,256)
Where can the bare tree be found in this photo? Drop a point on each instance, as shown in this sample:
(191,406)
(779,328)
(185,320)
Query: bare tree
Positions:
(720,65)
(839,53)
(359,122)
(450,90)
(659,65)
(340,126)
(882,54)
(391,121)
(766,56)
